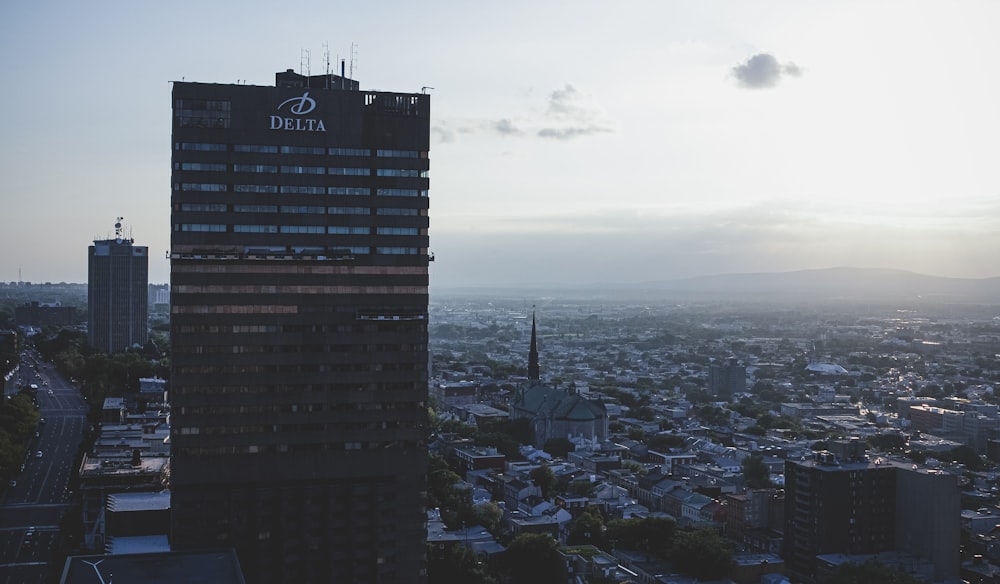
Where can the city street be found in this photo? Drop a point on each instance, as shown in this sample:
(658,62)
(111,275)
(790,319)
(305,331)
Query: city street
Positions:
(31,510)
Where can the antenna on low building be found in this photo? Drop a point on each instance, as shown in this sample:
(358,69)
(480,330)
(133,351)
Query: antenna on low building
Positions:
(354,58)
(304,65)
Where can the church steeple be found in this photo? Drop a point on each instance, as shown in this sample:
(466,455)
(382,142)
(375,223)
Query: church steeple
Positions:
(533,352)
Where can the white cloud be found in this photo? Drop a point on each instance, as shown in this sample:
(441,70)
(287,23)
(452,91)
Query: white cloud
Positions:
(763,71)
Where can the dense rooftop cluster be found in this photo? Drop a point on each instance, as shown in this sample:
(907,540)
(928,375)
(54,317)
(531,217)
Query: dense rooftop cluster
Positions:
(708,406)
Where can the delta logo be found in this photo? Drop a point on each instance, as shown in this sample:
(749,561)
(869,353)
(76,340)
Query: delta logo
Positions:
(298,106)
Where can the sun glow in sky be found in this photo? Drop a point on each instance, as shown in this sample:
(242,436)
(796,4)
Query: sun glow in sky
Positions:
(572,142)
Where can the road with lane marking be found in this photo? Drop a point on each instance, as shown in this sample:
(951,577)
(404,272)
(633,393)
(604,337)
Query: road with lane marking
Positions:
(41,498)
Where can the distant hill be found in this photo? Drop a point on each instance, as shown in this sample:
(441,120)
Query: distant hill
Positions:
(841,284)
(823,286)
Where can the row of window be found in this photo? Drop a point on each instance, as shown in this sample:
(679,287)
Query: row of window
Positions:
(394,327)
(339,426)
(297,209)
(294,368)
(298,348)
(283,448)
(315,150)
(299,190)
(296,169)
(369,389)
(316,229)
(202,113)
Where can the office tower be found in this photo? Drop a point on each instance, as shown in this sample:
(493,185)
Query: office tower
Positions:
(299,275)
(117,276)
(861,506)
(724,380)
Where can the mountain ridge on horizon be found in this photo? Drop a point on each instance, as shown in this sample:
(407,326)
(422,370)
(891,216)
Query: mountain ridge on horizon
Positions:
(837,283)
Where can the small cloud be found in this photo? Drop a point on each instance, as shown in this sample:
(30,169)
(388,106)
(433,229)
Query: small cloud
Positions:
(443,135)
(763,71)
(506,127)
(567,115)
(567,105)
(562,103)
(570,133)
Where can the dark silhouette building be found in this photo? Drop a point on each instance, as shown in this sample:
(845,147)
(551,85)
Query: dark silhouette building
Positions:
(859,506)
(42,314)
(727,379)
(298,294)
(117,306)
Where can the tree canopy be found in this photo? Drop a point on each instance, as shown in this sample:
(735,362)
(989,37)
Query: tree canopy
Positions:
(652,535)
(534,558)
(755,472)
(702,553)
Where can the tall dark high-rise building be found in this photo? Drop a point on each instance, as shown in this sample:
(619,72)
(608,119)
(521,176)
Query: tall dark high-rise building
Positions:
(857,505)
(299,290)
(117,307)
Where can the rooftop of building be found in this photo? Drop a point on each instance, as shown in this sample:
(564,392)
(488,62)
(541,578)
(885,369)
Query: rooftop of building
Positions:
(220,567)
(139,501)
(872,461)
(106,465)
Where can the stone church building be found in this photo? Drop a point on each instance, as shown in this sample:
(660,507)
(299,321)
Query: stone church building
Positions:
(554,412)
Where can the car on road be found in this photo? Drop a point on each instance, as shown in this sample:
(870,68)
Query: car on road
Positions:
(38,454)
(12,483)
(29,537)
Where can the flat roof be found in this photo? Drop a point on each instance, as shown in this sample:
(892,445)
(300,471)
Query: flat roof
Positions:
(139,501)
(219,567)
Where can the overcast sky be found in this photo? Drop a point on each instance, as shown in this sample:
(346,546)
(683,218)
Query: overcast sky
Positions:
(572,141)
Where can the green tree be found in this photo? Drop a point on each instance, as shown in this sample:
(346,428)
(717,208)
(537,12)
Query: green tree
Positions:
(588,528)
(489,515)
(558,447)
(534,558)
(544,479)
(702,553)
(664,442)
(18,420)
(580,488)
(888,442)
(651,535)
(967,456)
(456,564)
(755,472)
(440,480)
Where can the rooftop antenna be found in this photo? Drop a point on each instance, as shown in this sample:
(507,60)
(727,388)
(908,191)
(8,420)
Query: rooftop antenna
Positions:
(304,66)
(354,57)
(118,230)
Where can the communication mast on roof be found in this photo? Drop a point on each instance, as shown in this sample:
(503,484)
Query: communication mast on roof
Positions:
(304,65)
(354,57)
(118,230)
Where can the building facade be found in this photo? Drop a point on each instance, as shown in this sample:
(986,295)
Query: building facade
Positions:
(726,379)
(299,291)
(864,506)
(117,307)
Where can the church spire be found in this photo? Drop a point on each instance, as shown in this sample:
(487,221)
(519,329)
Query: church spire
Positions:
(533,352)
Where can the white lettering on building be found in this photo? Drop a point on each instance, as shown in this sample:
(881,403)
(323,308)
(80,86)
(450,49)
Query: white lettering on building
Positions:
(299,106)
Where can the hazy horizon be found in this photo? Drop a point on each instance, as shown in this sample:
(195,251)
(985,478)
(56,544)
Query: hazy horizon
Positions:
(648,141)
